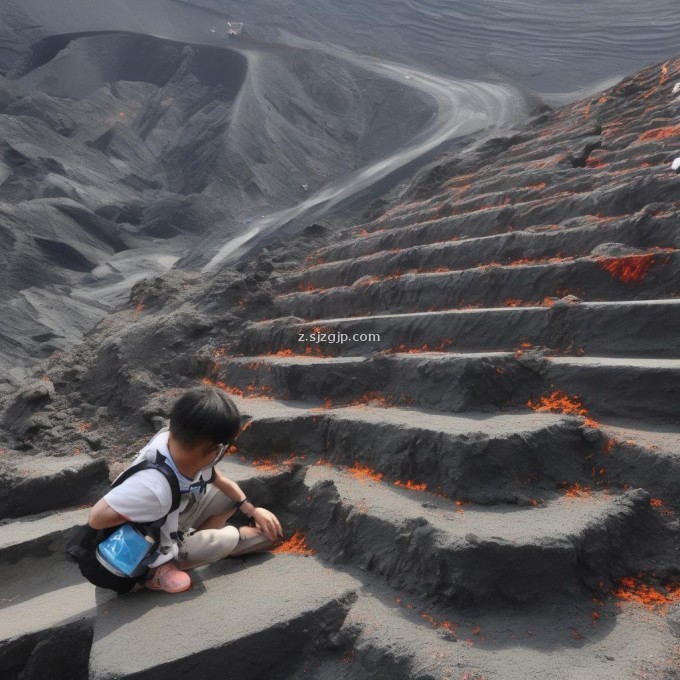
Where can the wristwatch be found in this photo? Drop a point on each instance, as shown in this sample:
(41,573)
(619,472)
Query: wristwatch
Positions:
(240,503)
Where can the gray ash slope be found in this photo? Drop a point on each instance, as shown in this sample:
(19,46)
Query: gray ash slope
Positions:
(131,194)
(501,541)
(120,150)
(551,47)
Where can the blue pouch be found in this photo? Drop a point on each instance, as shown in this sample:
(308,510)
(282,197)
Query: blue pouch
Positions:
(123,551)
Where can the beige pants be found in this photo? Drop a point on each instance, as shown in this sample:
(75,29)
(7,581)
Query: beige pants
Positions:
(203,546)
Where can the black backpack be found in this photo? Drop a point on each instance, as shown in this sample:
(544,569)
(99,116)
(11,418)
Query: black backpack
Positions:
(83,541)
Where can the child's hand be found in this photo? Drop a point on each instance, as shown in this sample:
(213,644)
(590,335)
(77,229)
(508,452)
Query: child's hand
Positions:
(269,523)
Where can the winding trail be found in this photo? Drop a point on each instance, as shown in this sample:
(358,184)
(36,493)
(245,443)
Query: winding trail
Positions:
(463,107)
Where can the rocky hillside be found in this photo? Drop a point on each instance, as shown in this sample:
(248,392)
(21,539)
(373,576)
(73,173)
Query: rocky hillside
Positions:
(479,482)
(121,152)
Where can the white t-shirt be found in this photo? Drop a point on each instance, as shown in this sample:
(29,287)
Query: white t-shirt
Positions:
(146,496)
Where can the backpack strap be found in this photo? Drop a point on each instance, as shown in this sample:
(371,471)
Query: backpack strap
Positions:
(162,466)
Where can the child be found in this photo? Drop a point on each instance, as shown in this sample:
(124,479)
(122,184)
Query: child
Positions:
(203,423)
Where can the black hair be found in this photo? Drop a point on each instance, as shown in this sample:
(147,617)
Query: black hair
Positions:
(205,414)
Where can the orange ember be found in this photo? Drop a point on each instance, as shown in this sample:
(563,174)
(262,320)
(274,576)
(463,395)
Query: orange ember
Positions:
(632,269)
(249,391)
(408,484)
(295,544)
(577,491)
(363,472)
(266,465)
(660,133)
(437,623)
(404,349)
(633,590)
(609,446)
(313,350)
(138,310)
(560,402)
(372,397)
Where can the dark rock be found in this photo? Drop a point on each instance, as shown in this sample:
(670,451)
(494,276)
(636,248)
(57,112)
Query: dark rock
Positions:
(614,250)
(315,231)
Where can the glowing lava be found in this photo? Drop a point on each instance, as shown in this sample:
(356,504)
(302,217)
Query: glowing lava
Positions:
(634,590)
(295,544)
(363,472)
(632,269)
(560,402)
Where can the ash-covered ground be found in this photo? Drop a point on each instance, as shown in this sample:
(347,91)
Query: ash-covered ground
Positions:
(138,137)
(486,487)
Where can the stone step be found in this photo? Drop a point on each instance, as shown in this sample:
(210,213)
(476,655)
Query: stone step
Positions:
(30,484)
(241,621)
(509,457)
(641,455)
(620,197)
(577,240)
(19,536)
(49,635)
(652,330)
(515,184)
(649,276)
(291,600)
(444,381)
(422,544)
(400,638)
(38,611)
(620,387)
(455,383)
(40,534)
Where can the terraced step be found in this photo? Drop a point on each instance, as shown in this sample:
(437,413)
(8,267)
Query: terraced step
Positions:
(288,603)
(451,382)
(30,484)
(421,544)
(626,387)
(652,329)
(402,639)
(510,457)
(621,197)
(444,381)
(45,532)
(638,454)
(48,609)
(572,239)
(649,276)
(286,597)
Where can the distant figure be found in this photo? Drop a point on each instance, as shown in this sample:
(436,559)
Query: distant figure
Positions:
(203,423)
(675,165)
(235,27)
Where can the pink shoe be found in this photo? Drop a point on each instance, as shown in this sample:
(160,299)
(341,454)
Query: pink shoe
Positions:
(168,578)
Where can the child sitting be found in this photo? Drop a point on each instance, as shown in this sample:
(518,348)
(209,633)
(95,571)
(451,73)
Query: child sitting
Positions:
(203,423)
